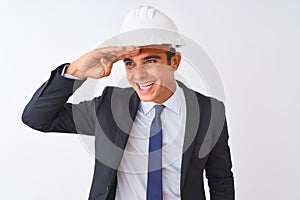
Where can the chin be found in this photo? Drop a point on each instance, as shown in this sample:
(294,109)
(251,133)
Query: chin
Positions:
(148,97)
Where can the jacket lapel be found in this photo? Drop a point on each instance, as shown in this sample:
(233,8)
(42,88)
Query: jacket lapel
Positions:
(191,128)
(124,111)
(124,106)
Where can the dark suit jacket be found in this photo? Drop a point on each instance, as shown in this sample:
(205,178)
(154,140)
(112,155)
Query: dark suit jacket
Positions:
(109,118)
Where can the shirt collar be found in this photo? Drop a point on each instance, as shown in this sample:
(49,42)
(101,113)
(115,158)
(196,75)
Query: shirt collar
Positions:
(173,103)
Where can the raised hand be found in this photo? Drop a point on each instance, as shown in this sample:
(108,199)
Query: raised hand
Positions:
(98,62)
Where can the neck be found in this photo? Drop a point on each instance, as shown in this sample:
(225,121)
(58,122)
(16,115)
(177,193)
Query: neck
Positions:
(167,94)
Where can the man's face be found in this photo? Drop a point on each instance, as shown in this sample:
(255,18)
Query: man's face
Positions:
(150,74)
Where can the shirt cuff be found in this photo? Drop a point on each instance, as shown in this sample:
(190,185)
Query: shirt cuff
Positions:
(68,76)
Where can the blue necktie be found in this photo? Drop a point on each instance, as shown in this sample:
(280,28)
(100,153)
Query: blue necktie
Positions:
(154,182)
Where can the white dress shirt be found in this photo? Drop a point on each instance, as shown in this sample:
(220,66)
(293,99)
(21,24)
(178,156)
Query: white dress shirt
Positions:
(132,173)
(133,169)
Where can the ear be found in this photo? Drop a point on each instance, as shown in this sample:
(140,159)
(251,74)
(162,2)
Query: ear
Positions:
(175,61)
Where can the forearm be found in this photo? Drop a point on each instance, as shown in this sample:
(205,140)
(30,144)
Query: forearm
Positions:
(49,101)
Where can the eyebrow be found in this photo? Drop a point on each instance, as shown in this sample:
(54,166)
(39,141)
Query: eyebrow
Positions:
(127,59)
(151,57)
(145,58)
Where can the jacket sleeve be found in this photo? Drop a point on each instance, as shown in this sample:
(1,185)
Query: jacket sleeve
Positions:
(47,111)
(218,166)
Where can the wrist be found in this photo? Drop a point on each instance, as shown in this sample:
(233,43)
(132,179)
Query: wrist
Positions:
(72,70)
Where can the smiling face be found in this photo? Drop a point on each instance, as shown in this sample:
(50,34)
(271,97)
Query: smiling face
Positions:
(150,73)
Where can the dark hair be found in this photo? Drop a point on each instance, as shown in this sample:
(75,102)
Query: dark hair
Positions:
(170,54)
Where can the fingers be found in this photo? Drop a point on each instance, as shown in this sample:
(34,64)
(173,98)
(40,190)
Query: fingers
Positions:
(98,62)
(109,55)
(130,53)
(115,53)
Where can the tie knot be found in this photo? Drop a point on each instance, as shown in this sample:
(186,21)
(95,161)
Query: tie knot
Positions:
(158,110)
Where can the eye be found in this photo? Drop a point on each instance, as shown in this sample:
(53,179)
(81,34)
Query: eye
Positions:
(129,64)
(150,61)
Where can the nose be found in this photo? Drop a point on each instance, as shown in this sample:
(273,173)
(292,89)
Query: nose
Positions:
(140,72)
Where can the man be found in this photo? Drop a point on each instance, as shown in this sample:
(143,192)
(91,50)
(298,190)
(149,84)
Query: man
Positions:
(140,154)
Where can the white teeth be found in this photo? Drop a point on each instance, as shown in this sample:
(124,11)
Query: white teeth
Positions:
(145,86)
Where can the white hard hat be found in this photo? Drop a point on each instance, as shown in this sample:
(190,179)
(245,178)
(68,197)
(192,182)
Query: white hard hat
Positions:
(146,25)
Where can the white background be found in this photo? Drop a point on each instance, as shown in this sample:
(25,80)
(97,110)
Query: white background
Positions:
(254,44)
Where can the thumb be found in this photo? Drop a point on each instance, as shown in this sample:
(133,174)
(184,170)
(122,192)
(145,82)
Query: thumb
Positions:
(105,62)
